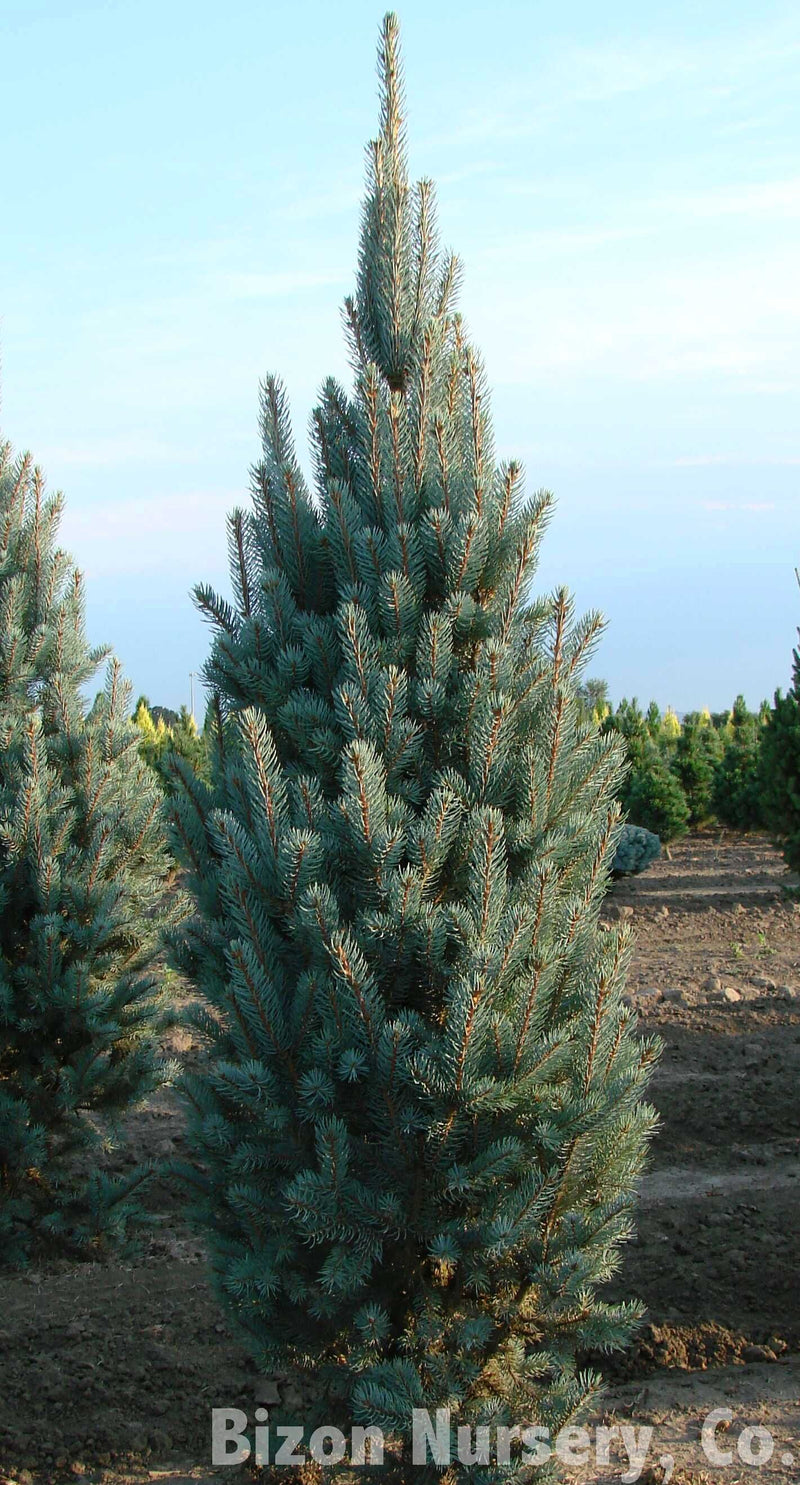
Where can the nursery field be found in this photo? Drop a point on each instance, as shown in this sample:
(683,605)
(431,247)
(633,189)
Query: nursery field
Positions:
(109,1371)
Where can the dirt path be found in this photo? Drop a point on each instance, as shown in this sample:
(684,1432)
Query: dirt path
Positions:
(108,1372)
(716,1255)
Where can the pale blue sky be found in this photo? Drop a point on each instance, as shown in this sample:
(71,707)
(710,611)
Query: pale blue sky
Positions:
(180,200)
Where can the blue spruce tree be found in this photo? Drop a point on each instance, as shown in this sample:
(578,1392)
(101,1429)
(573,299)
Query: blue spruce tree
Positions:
(420,1121)
(83,880)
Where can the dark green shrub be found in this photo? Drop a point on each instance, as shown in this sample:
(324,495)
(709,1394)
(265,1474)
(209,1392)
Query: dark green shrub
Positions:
(780,769)
(737,790)
(698,754)
(652,796)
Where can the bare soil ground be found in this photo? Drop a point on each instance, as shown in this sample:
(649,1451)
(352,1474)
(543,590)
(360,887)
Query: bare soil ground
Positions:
(108,1371)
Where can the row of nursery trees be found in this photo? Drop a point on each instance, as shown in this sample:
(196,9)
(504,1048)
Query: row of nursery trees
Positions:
(736,768)
(419,1116)
(728,768)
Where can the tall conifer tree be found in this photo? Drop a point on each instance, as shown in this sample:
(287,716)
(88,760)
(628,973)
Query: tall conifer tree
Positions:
(421,1119)
(83,870)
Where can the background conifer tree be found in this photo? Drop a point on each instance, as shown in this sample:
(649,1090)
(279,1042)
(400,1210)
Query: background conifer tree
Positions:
(421,1119)
(157,740)
(651,793)
(780,769)
(737,785)
(698,754)
(653,797)
(670,729)
(592,699)
(82,877)
(190,742)
(630,722)
(154,737)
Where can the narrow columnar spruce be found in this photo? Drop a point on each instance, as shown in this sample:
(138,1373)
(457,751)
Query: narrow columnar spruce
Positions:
(83,868)
(420,1122)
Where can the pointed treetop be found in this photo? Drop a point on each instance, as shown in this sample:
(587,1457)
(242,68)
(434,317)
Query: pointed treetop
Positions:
(390,68)
(384,313)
